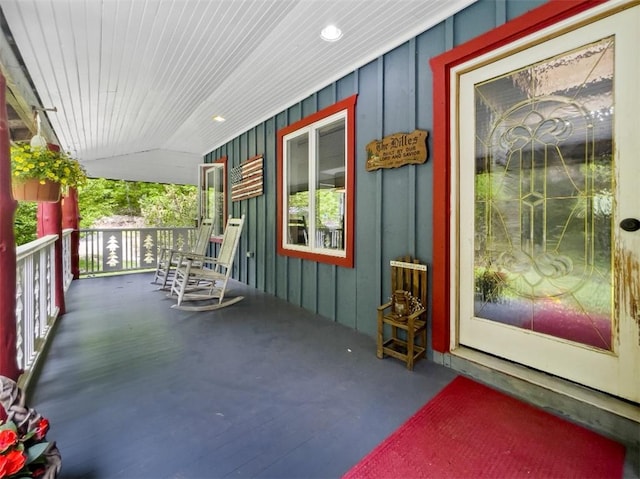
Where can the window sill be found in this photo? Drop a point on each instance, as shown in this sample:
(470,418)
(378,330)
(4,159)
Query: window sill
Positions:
(344,261)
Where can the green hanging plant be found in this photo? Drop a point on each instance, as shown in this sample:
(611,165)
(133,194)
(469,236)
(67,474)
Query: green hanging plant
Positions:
(28,163)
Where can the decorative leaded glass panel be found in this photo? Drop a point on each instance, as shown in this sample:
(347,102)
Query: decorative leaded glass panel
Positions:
(544,196)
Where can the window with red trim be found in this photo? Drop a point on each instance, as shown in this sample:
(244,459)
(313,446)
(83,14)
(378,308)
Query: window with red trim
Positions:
(212,195)
(316,158)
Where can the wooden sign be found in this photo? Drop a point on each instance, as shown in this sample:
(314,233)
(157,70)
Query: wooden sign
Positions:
(397,150)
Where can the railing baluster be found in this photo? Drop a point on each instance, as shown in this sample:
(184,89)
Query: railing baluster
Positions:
(66,258)
(20,315)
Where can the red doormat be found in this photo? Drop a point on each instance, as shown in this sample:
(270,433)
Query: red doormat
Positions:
(471,431)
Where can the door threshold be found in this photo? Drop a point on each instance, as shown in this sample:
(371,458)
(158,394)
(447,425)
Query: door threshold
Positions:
(597,399)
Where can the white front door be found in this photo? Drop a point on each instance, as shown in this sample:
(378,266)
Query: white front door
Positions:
(548,168)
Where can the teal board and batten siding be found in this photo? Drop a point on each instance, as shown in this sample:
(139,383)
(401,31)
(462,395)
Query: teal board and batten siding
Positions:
(393,207)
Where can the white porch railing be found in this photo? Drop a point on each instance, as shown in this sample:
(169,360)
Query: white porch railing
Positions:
(124,250)
(36,308)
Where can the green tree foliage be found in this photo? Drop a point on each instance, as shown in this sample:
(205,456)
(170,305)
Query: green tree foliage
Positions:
(175,207)
(160,205)
(327,207)
(25,223)
(101,197)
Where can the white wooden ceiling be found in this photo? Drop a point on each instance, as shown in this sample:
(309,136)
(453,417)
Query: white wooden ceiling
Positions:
(137,82)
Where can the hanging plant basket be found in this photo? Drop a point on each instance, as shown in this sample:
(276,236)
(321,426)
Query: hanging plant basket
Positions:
(34,189)
(38,173)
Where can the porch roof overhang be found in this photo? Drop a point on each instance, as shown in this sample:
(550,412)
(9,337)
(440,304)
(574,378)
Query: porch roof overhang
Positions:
(136,84)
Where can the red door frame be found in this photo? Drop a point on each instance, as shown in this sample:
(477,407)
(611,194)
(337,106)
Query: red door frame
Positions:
(531,22)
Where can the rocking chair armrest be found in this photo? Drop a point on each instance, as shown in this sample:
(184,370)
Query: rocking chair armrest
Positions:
(186,255)
(209,260)
(384,306)
(170,253)
(165,249)
(200,258)
(173,253)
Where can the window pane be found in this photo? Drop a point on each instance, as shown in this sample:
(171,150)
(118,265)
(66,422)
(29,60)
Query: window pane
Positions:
(544,201)
(298,189)
(330,180)
(215,198)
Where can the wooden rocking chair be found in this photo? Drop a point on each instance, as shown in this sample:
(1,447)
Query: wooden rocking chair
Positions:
(406,311)
(200,278)
(168,259)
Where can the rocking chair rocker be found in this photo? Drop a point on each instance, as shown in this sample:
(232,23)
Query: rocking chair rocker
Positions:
(200,278)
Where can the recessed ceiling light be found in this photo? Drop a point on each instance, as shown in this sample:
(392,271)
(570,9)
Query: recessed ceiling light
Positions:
(331,33)
(218,118)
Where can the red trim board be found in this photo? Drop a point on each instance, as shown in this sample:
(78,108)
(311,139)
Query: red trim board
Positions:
(347,261)
(531,22)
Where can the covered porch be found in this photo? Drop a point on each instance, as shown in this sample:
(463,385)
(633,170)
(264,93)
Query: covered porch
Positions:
(285,383)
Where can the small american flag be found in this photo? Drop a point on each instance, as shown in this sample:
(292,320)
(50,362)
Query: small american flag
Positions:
(247,179)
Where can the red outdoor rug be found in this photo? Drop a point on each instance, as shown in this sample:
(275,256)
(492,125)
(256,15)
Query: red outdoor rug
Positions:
(471,431)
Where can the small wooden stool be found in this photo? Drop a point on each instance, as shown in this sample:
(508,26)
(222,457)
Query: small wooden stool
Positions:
(406,311)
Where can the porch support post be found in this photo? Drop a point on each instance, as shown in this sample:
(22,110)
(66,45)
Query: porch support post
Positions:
(50,223)
(8,360)
(71,219)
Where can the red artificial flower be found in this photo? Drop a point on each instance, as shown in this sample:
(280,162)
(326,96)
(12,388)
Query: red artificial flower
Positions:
(38,471)
(11,463)
(7,439)
(42,428)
